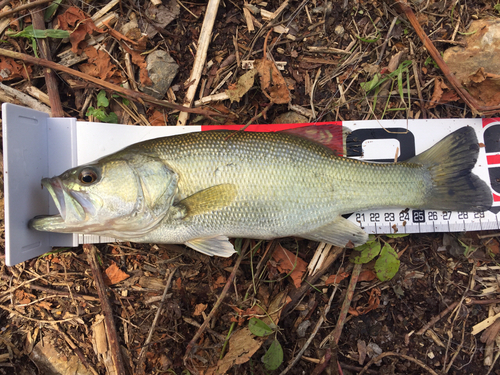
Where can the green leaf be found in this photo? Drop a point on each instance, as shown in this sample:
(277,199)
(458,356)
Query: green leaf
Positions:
(366,252)
(273,357)
(112,118)
(387,265)
(397,235)
(259,328)
(51,10)
(102,99)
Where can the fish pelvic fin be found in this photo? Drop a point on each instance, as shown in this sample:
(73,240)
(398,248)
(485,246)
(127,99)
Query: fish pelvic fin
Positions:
(339,232)
(454,186)
(218,245)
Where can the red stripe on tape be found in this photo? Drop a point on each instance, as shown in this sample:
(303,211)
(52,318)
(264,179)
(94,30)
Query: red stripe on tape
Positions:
(493,159)
(487,121)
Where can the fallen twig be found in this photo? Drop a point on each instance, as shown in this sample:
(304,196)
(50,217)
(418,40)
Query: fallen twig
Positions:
(134,95)
(334,336)
(201,56)
(437,318)
(296,294)
(23,7)
(25,99)
(209,317)
(111,332)
(313,334)
(50,76)
(388,354)
(145,346)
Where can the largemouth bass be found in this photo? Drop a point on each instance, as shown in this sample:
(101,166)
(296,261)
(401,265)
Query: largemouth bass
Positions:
(199,189)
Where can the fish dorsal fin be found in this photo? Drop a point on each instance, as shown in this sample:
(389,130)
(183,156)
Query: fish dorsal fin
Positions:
(329,135)
(210,199)
(218,245)
(339,232)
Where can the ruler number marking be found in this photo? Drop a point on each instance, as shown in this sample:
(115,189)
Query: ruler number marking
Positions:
(389,216)
(463,215)
(446,215)
(432,215)
(418,216)
(478,215)
(374,217)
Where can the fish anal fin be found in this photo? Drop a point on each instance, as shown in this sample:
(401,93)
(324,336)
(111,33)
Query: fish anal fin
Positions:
(209,199)
(218,245)
(339,232)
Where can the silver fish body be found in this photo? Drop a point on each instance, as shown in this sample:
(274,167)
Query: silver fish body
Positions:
(201,188)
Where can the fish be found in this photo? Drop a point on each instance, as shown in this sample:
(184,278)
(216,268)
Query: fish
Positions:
(202,188)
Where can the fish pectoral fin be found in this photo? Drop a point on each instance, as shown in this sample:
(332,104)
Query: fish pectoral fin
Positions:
(339,232)
(209,199)
(211,246)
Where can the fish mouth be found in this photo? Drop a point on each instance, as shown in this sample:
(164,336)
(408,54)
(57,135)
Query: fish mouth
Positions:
(72,207)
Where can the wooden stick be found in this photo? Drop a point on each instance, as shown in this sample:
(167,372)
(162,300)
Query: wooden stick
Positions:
(24,7)
(111,332)
(201,56)
(25,99)
(145,347)
(334,336)
(437,318)
(407,357)
(134,95)
(296,294)
(209,317)
(51,80)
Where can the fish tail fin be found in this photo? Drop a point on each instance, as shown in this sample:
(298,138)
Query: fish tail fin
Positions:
(454,186)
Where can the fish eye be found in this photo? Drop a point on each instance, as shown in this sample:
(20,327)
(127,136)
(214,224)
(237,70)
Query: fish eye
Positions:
(87,176)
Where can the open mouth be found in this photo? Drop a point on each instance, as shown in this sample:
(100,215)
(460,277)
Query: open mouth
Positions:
(71,208)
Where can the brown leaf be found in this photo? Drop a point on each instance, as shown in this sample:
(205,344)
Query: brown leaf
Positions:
(240,88)
(287,262)
(442,94)
(242,345)
(100,66)
(79,24)
(199,308)
(10,69)
(114,275)
(272,82)
(335,279)
(157,118)
(373,303)
(361,352)
(367,275)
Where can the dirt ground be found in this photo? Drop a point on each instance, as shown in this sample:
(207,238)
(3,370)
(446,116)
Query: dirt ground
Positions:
(351,60)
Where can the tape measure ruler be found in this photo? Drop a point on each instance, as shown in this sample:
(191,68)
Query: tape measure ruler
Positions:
(37,146)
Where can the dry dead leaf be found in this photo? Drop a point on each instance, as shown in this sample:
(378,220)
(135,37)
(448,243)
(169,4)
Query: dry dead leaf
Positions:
(199,308)
(367,275)
(361,352)
(10,69)
(272,82)
(242,345)
(79,24)
(287,262)
(157,118)
(373,303)
(114,275)
(442,94)
(100,66)
(335,279)
(236,91)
